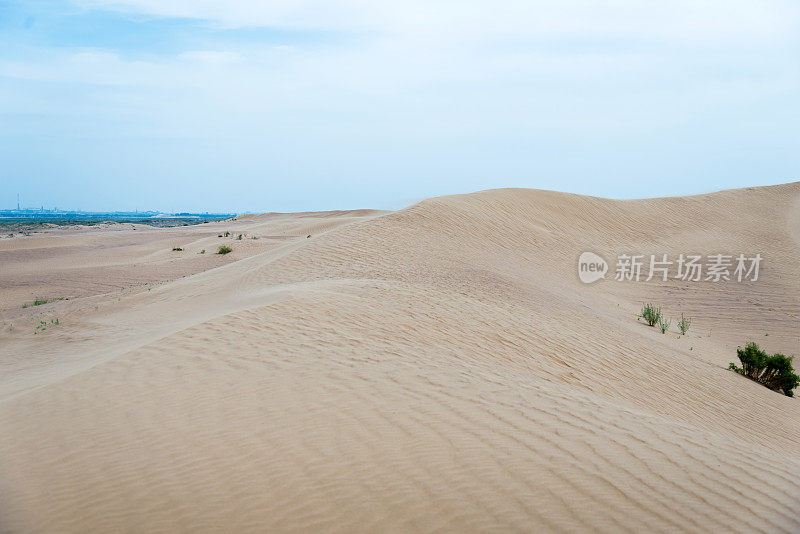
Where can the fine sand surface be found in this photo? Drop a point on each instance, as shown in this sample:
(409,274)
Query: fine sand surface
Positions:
(436,368)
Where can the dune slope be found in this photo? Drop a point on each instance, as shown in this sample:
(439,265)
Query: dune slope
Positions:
(440,367)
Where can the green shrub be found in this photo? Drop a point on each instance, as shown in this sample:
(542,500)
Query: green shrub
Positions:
(684,324)
(177,249)
(227,234)
(203,251)
(774,372)
(663,324)
(651,314)
(224,249)
(239,237)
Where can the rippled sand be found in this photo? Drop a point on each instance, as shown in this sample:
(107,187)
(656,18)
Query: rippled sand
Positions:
(436,368)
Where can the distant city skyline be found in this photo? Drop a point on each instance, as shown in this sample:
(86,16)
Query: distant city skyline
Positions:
(283,106)
(55,209)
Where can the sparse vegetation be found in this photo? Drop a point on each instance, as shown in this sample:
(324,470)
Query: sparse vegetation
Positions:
(224,249)
(203,251)
(684,324)
(39,301)
(177,249)
(651,314)
(663,324)
(775,372)
(308,236)
(239,237)
(227,234)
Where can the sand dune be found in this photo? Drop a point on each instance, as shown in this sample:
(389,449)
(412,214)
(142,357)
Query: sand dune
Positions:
(436,368)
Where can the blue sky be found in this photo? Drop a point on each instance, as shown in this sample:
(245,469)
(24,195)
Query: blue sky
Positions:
(302,105)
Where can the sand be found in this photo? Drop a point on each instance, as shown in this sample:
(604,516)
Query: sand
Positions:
(439,368)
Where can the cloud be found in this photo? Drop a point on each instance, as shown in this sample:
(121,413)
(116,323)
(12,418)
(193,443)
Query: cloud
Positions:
(426,91)
(690,21)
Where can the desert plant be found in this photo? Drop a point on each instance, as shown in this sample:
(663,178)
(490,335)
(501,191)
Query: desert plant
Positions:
(177,249)
(663,324)
(774,372)
(203,251)
(227,234)
(224,249)
(684,324)
(239,237)
(651,314)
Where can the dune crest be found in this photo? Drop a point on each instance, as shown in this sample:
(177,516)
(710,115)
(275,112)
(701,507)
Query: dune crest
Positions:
(439,367)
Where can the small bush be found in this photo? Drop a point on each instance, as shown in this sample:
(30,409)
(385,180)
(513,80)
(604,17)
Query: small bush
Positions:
(684,324)
(239,237)
(203,251)
(227,234)
(224,249)
(39,302)
(774,372)
(177,249)
(651,314)
(663,324)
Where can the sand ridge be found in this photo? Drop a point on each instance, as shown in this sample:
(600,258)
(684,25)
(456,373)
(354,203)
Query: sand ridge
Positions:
(436,368)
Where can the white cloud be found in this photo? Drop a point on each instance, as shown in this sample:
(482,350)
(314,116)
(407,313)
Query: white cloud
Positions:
(691,21)
(442,80)
(399,45)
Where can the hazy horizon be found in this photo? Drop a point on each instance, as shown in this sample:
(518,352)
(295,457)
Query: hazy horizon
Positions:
(242,107)
(213,212)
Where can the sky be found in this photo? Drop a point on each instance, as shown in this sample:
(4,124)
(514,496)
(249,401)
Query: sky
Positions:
(247,106)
